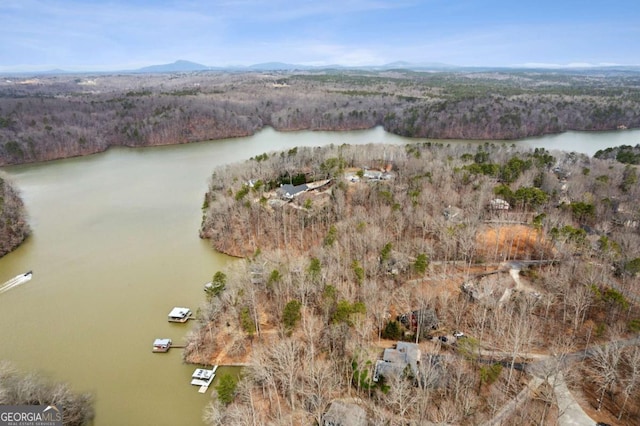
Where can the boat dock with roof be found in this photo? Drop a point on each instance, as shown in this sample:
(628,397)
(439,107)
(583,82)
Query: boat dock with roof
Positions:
(203,378)
(180,315)
(163,345)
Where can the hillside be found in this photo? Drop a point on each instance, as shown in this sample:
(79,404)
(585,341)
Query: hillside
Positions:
(13,221)
(57,116)
(423,284)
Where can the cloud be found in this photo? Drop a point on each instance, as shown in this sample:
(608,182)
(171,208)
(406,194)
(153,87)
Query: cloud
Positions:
(118,34)
(74,32)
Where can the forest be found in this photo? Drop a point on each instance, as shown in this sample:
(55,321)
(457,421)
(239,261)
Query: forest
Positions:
(14,226)
(422,284)
(19,388)
(57,116)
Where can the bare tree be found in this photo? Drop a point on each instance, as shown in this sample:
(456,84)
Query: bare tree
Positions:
(26,389)
(631,378)
(14,227)
(401,396)
(605,362)
(280,364)
(579,300)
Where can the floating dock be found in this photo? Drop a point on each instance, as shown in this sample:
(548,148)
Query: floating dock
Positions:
(163,345)
(180,315)
(203,378)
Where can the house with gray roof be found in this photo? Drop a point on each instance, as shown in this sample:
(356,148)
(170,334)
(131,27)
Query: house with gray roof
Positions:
(289,192)
(396,360)
(426,369)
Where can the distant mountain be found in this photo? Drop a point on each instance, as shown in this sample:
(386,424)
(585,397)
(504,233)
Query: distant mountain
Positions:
(277,66)
(177,66)
(188,66)
(54,71)
(410,65)
(281,66)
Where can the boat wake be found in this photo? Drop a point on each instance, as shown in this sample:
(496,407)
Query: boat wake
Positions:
(16,281)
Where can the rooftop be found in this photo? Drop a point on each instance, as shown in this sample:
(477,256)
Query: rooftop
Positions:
(395,360)
(179,312)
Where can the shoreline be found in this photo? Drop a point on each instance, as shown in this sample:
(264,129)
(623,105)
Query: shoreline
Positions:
(293,130)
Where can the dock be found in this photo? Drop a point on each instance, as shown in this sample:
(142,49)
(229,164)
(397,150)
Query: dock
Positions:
(203,378)
(163,345)
(179,314)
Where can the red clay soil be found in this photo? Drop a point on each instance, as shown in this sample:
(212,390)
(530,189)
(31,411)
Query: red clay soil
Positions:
(503,242)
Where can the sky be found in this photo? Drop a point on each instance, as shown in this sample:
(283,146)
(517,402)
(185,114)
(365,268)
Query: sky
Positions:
(96,35)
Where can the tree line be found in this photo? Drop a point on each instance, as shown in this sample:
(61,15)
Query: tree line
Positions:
(14,227)
(62,116)
(18,388)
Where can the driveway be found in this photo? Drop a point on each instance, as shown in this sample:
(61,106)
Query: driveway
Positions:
(569,411)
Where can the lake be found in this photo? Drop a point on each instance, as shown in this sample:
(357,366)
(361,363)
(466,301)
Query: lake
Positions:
(115,247)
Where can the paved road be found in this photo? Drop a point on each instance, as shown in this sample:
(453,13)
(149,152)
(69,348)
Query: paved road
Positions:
(549,368)
(570,413)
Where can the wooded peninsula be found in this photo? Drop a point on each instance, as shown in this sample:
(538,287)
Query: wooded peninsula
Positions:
(424,284)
